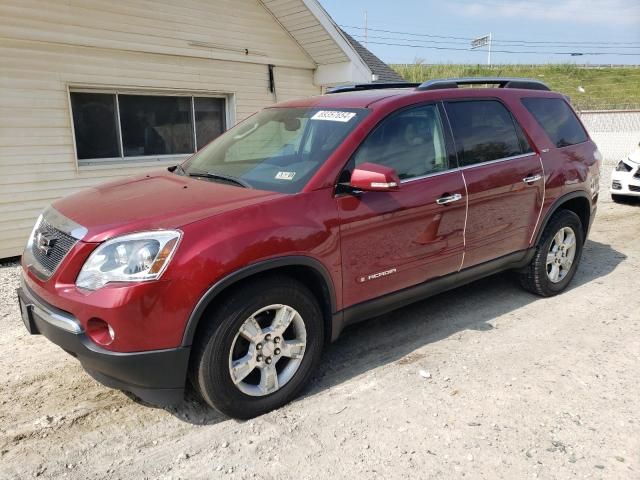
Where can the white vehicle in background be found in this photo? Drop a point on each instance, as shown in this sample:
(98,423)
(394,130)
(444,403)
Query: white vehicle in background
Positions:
(625,178)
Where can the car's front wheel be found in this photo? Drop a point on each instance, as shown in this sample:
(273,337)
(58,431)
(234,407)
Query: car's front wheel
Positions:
(556,257)
(259,347)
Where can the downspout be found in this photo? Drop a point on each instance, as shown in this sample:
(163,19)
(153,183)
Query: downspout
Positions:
(272,83)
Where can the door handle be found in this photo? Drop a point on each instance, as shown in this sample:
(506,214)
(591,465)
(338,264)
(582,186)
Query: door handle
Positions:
(532,178)
(448,199)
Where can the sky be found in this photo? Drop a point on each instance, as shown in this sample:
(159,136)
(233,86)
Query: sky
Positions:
(609,27)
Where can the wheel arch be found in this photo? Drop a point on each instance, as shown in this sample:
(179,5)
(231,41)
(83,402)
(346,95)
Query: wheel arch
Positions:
(306,270)
(577,202)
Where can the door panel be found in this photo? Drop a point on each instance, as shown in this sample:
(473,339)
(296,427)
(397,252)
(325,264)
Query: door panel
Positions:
(503,209)
(496,158)
(394,240)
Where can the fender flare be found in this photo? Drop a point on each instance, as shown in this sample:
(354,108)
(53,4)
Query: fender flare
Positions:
(556,206)
(247,271)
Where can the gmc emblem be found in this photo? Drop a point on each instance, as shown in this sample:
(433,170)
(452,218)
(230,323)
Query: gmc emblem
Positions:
(45,242)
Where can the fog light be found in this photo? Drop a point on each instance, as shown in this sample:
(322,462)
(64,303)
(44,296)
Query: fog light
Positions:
(100,331)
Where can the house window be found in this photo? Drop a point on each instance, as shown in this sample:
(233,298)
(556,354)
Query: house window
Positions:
(114,126)
(95,125)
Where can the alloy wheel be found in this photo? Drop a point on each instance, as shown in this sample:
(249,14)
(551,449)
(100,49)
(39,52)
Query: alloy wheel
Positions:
(561,255)
(267,350)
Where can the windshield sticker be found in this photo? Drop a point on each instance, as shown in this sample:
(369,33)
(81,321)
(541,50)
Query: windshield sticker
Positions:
(285,175)
(333,116)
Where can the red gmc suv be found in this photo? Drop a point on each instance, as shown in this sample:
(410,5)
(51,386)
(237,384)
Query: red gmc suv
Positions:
(234,269)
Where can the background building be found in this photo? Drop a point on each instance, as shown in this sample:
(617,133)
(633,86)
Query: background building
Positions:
(93,91)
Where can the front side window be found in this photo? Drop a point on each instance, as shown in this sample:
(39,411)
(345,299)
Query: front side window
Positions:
(277,149)
(410,141)
(119,126)
(483,130)
(557,119)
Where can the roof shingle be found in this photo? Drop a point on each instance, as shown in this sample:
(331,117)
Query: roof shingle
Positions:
(384,72)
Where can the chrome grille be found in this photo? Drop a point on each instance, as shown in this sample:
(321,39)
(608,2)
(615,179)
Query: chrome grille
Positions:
(50,256)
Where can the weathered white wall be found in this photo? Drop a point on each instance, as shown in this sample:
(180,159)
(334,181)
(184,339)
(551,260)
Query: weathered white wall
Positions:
(47,46)
(616,133)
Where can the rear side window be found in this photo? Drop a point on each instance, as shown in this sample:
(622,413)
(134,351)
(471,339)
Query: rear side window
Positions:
(557,119)
(483,131)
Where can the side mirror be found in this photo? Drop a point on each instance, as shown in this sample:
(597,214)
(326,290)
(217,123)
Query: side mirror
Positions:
(374,177)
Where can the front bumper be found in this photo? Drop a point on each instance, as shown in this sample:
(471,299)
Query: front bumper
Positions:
(625,183)
(156,376)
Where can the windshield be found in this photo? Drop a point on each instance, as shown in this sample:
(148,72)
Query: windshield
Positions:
(278,149)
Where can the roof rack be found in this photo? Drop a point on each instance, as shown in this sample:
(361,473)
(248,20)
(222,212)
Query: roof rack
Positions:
(523,83)
(441,83)
(371,86)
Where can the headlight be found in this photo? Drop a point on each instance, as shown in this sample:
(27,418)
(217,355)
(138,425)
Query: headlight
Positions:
(623,167)
(33,233)
(138,257)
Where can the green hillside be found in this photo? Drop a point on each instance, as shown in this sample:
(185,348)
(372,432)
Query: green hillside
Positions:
(605,88)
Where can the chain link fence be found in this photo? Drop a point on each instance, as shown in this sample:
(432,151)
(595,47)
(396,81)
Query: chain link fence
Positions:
(617,133)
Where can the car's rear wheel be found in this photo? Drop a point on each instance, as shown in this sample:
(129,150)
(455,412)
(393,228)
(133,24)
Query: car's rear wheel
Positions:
(259,347)
(556,257)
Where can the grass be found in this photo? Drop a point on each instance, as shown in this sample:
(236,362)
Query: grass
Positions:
(605,88)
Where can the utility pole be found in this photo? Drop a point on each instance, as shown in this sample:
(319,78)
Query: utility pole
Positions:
(366,41)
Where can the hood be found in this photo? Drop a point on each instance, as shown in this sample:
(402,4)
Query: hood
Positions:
(635,156)
(153,201)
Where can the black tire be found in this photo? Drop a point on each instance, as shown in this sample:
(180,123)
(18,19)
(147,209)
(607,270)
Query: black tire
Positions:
(534,276)
(618,198)
(209,370)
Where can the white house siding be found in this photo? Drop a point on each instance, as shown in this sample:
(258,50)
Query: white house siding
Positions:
(296,17)
(47,47)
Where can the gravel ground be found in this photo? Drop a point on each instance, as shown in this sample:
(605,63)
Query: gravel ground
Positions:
(486,381)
